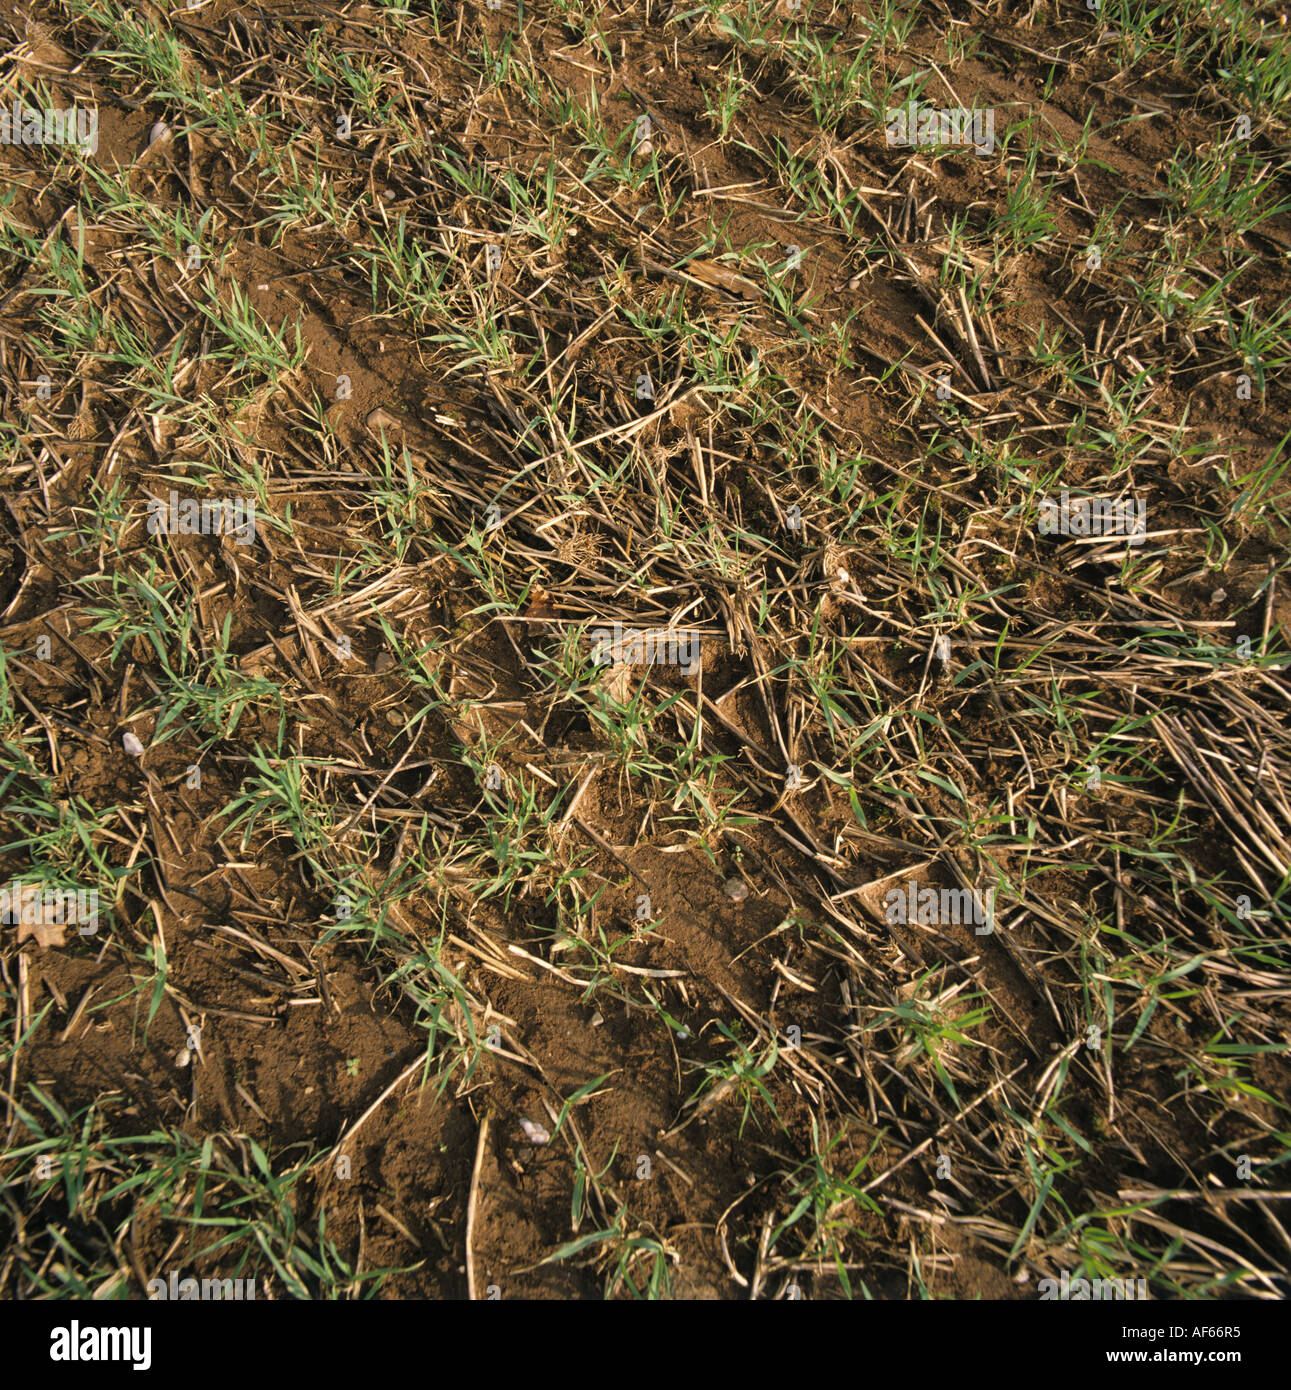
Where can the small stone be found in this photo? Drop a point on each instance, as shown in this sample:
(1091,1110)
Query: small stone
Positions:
(159,132)
(854,283)
(384,661)
(394,718)
(132,744)
(597,1019)
(183,1057)
(1219,596)
(736,889)
(382,419)
(645,149)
